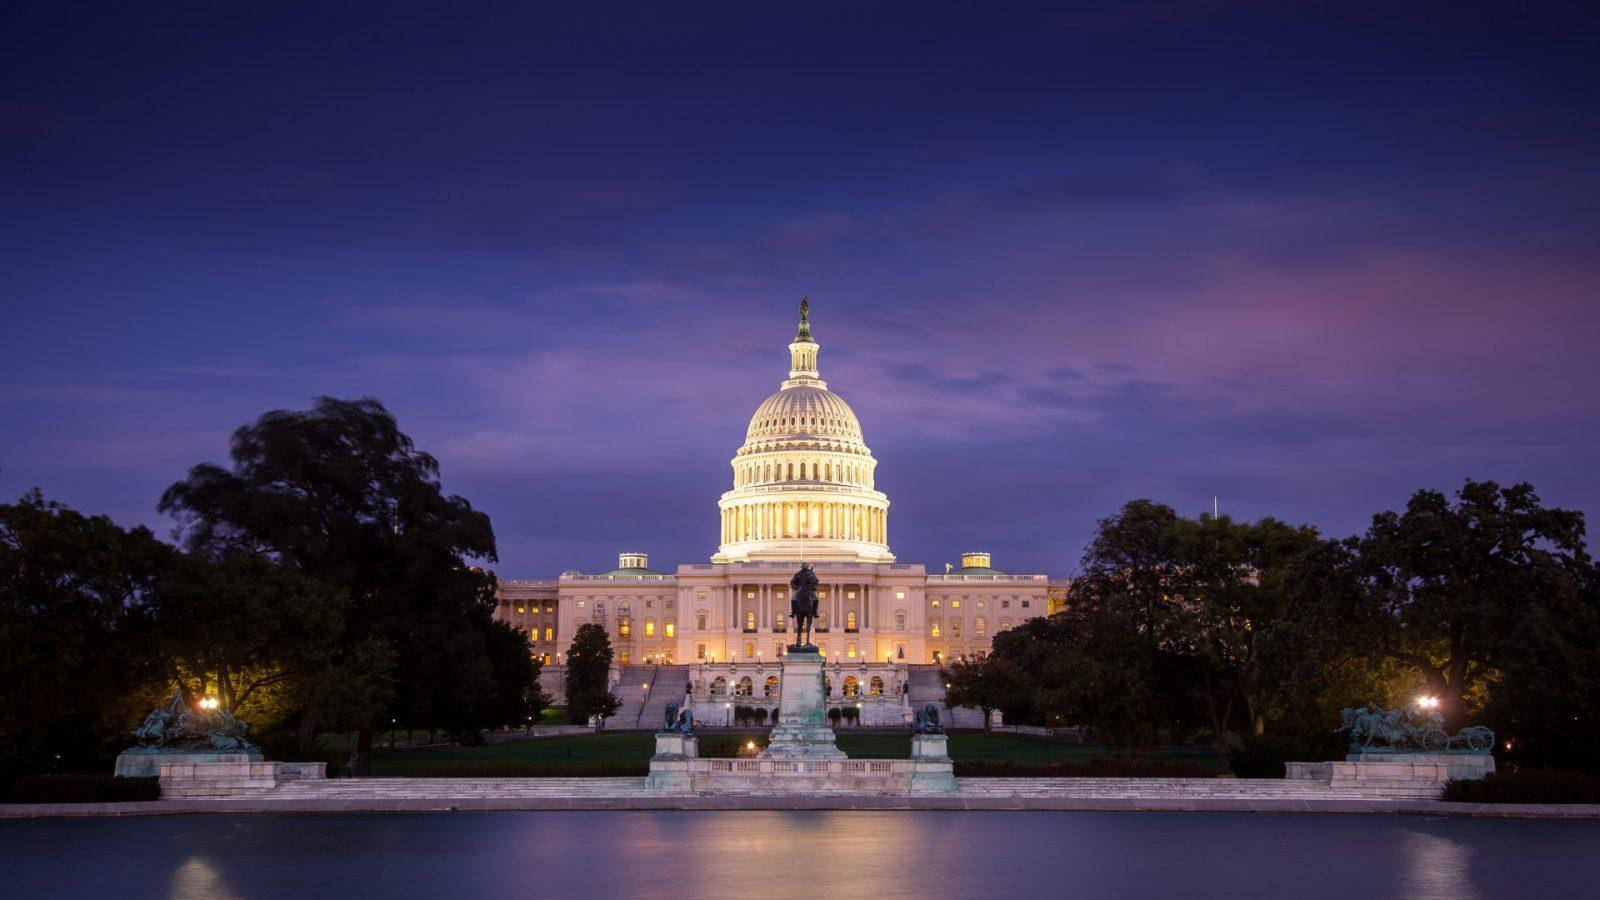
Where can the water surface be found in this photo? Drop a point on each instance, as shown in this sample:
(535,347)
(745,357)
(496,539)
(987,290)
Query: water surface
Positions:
(816,855)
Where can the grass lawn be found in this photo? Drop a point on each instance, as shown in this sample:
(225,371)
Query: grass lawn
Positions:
(579,752)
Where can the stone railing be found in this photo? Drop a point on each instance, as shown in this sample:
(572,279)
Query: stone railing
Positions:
(567,578)
(954,577)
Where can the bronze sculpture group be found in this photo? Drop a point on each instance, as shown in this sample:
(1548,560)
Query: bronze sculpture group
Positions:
(176,727)
(1378,730)
(679,721)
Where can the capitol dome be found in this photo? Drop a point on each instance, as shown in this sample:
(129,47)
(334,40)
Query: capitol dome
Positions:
(803,479)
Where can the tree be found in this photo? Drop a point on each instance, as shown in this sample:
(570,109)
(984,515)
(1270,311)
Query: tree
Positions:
(1447,585)
(588,669)
(986,685)
(342,495)
(250,630)
(80,663)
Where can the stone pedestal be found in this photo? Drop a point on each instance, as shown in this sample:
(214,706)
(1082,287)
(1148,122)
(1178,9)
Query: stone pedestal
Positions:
(932,771)
(802,731)
(147,761)
(670,767)
(1361,769)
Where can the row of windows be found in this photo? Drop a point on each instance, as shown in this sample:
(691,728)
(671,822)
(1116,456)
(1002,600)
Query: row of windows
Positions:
(980,625)
(745,687)
(956,604)
(625,627)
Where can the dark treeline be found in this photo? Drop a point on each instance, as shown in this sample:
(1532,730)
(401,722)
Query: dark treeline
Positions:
(322,584)
(1252,636)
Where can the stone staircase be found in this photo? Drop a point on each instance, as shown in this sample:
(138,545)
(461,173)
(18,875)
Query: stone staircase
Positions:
(927,687)
(668,685)
(631,691)
(969,788)
(1192,789)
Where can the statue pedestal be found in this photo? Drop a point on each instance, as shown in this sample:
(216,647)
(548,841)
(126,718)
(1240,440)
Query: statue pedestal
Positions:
(676,745)
(932,771)
(147,761)
(802,731)
(670,767)
(1364,769)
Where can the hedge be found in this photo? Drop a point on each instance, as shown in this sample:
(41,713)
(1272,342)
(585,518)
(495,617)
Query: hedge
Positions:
(1527,786)
(1096,767)
(530,770)
(95,788)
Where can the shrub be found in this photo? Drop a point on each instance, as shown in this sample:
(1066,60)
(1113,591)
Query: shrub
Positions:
(1096,767)
(530,770)
(834,715)
(88,788)
(286,746)
(1528,786)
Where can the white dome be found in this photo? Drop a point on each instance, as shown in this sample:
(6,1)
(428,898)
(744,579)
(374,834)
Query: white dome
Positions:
(803,479)
(804,411)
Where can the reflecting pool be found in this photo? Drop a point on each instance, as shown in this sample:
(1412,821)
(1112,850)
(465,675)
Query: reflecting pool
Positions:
(840,854)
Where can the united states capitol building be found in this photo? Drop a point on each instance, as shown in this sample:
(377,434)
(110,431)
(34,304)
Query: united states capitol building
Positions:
(803,488)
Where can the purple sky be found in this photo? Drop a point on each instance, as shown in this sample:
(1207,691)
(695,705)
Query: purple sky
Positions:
(1058,258)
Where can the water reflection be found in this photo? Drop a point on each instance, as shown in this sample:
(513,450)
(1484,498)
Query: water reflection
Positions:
(796,854)
(1437,868)
(197,880)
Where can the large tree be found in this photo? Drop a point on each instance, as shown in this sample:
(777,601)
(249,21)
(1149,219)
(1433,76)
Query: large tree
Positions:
(79,662)
(1448,585)
(588,669)
(986,685)
(342,494)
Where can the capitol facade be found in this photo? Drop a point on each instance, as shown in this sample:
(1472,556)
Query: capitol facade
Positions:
(803,488)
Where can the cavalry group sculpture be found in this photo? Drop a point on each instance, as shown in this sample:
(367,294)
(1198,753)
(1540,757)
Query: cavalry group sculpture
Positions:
(1377,730)
(175,727)
(928,720)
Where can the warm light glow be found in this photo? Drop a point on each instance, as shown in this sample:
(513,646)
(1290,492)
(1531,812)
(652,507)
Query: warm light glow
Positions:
(749,745)
(1427,702)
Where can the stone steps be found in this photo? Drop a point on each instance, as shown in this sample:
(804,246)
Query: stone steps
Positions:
(977,788)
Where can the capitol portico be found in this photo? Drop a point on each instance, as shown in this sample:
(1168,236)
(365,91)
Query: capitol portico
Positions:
(802,489)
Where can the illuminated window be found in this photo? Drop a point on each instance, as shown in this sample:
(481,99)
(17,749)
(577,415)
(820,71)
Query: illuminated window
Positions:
(749,620)
(770,688)
(700,621)
(749,595)
(849,595)
(624,626)
(955,604)
(849,620)
(933,603)
(899,618)
(749,649)
(580,604)
(549,634)
(546,659)
(701,595)
(672,629)
(549,607)
(899,595)
(699,651)
(745,687)
(852,687)
(980,626)
(981,604)
(935,629)
(777,622)
(649,628)
(719,686)
(623,658)
(955,628)
(850,650)
(520,608)
(875,686)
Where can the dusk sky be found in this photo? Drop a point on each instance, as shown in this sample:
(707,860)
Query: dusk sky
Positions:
(1307,259)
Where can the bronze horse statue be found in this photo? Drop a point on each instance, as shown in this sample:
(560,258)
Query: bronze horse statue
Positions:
(803,606)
